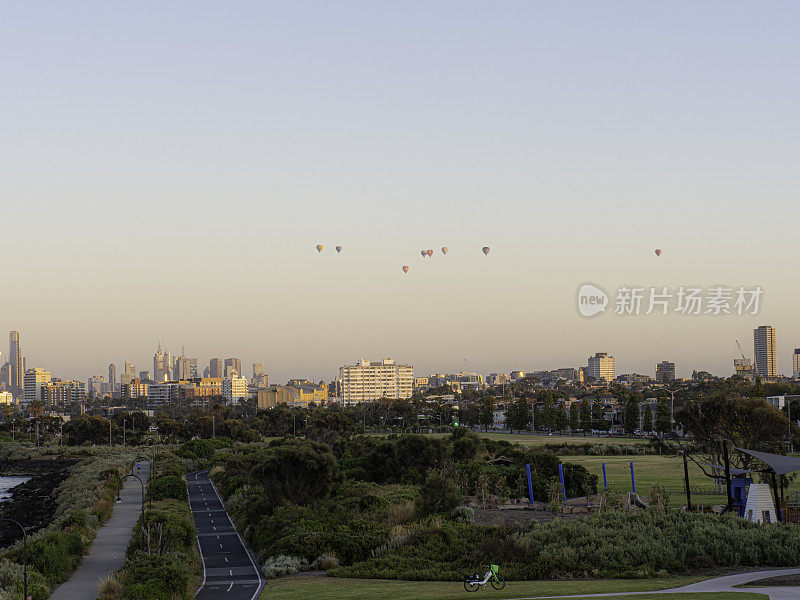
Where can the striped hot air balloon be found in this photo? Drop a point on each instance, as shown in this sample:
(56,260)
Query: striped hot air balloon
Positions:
(338,249)
(444,249)
(319,247)
(405,268)
(486,249)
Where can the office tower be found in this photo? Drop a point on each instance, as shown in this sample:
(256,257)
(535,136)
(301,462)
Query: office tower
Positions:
(766,351)
(129,374)
(216,368)
(601,367)
(665,372)
(260,378)
(185,368)
(796,363)
(207,372)
(258,369)
(162,365)
(367,381)
(112,377)
(233,364)
(17,363)
(97,386)
(33,382)
(62,394)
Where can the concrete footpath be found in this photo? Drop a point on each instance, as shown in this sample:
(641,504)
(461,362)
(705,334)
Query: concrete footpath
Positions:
(108,549)
(717,584)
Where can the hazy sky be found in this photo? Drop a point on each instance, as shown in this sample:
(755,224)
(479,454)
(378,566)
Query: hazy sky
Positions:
(166,170)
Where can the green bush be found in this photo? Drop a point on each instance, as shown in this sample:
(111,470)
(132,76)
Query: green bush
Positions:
(147,577)
(437,495)
(168,487)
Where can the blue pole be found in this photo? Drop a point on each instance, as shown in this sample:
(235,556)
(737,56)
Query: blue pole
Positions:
(605,479)
(633,479)
(530,483)
(561,477)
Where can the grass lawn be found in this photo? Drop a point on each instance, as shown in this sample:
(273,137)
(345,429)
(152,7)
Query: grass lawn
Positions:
(649,469)
(305,587)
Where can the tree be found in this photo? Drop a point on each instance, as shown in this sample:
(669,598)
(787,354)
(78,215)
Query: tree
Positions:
(518,416)
(663,423)
(743,422)
(487,413)
(562,420)
(586,416)
(631,416)
(647,419)
(574,419)
(296,471)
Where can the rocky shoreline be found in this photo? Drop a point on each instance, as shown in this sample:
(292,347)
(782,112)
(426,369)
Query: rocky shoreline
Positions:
(32,503)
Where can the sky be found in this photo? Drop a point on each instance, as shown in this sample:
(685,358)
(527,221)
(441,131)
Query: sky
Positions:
(167,169)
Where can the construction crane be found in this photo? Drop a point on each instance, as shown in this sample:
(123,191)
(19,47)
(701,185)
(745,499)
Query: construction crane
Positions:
(738,345)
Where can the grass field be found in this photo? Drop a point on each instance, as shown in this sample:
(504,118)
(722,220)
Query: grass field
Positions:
(649,469)
(300,587)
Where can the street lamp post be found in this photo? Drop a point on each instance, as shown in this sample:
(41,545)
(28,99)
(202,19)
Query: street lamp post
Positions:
(118,499)
(152,478)
(24,556)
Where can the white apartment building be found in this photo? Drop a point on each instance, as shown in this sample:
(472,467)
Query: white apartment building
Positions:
(234,389)
(6,398)
(34,380)
(367,381)
(601,367)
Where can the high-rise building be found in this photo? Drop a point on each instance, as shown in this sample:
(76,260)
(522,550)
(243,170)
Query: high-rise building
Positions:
(112,378)
(234,389)
(185,368)
(796,363)
(766,351)
(368,381)
(60,395)
(17,363)
(34,380)
(601,367)
(258,369)
(665,371)
(260,377)
(216,368)
(231,365)
(162,365)
(96,386)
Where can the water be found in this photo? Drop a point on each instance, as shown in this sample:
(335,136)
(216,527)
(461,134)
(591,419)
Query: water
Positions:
(6,483)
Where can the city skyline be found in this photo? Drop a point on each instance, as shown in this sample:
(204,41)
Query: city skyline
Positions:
(197,364)
(172,168)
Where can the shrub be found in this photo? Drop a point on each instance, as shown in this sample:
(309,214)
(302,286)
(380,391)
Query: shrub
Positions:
(168,487)
(148,577)
(277,566)
(325,562)
(437,495)
(463,514)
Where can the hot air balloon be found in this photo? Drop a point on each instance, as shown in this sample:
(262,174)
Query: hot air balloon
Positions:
(658,251)
(319,247)
(444,249)
(405,268)
(486,249)
(338,249)
(430,252)
(424,253)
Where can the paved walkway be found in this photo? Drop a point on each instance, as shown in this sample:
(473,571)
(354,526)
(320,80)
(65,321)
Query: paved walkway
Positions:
(229,572)
(718,584)
(108,549)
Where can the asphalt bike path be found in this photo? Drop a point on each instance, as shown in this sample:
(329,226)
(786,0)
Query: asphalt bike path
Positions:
(229,572)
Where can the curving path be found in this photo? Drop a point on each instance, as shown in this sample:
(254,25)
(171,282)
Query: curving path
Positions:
(718,584)
(109,546)
(229,572)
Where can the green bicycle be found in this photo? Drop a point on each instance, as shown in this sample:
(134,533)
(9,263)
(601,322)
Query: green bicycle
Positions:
(474,582)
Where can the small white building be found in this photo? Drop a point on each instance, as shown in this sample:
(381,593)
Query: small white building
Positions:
(760,508)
